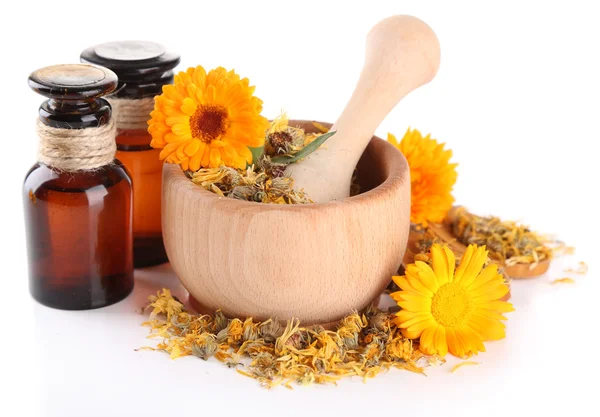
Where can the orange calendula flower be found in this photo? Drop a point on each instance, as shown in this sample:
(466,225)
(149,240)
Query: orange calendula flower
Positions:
(452,310)
(432,176)
(207,120)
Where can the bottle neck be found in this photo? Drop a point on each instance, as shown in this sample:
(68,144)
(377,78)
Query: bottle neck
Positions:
(75,114)
(143,87)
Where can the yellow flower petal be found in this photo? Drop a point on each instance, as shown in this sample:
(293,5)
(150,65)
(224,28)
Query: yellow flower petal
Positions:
(189,107)
(410,335)
(419,322)
(196,159)
(414,305)
(181,129)
(443,263)
(492,286)
(453,346)
(488,274)
(487,328)
(426,341)
(215,158)
(167,150)
(413,285)
(217,109)
(432,176)
(184,164)
(206,157)
(423,273)
(451,310)
(439,341)
(474,267)
(497,305)
(192,147)
(490,314)
(180,119)
(498,292)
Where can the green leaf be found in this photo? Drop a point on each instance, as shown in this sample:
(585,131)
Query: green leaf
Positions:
(304,152)
(256,154)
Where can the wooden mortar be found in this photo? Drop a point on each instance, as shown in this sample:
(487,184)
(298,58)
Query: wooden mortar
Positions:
(315,262)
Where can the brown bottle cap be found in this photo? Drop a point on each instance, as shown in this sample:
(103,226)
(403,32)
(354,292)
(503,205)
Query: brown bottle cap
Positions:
(142,67)
(74,92)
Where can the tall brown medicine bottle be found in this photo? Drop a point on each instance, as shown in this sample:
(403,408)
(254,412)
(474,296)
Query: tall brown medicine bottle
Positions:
(77,198)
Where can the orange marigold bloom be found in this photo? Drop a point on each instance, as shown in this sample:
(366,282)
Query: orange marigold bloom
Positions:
(432,176)
(207,120)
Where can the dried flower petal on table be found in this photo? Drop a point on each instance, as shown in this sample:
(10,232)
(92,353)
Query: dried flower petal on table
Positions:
(363,344)
(462,364)
(432,176)
(164,303)
(452,310)
(563,281)
(582,269)
(560,248)
(322,129)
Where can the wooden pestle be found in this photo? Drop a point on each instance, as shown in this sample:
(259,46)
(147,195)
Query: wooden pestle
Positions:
(402,54)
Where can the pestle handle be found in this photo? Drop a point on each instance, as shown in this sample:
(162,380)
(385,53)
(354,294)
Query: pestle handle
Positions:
(402,54)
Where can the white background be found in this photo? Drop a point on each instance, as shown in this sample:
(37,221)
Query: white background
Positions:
(516,99)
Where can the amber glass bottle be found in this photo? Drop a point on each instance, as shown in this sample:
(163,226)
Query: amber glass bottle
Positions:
(143,68)
(78,221)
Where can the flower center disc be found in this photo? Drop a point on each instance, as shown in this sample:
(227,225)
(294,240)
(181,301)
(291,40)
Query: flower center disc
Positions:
(451,305)
(209,122)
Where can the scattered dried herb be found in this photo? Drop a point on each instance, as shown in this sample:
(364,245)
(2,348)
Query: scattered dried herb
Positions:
(362,345)
(581,269)
(507,241)
(563,281)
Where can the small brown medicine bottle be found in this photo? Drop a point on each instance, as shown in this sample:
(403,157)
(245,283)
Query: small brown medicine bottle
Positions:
(143,68)
(78,197)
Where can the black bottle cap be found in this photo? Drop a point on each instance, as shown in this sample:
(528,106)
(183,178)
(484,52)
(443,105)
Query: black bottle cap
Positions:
(143,67)
(74,92)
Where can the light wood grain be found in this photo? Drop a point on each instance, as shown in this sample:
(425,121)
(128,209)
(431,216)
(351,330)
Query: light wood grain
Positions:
(315,262)
(402,54)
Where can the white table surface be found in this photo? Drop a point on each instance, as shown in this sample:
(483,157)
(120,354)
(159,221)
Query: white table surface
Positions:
(85,363)
(516,99)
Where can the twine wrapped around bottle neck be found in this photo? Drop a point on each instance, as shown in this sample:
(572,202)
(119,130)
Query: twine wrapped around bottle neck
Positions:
(77,149)
(132,114)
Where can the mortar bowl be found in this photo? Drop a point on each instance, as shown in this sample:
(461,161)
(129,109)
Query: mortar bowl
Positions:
(313,262)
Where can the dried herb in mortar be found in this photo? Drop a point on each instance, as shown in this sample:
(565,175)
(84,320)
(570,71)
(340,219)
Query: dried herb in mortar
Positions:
(265,181)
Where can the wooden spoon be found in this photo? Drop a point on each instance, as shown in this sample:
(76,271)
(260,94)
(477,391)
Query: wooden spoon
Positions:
(444,233)
(518,271)
(402,54)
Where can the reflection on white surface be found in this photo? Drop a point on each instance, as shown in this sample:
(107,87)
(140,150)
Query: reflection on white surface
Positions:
(86,362)
(88,356)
